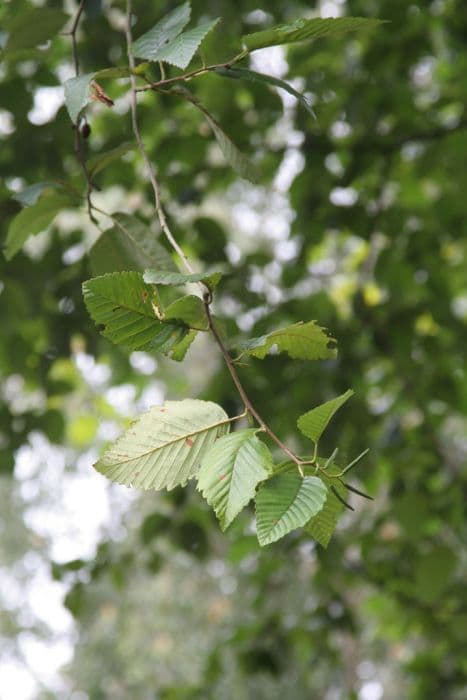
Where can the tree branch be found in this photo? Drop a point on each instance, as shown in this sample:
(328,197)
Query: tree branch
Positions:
(207,297)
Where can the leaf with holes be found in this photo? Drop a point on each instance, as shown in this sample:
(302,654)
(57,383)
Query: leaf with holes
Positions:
(314,422)
(165,446)
(34,219)
(302,341)
(129,245)
(171,25)
(211,278)
(231,471)
(304,29)
(253,76)
(286,502)
(124,309)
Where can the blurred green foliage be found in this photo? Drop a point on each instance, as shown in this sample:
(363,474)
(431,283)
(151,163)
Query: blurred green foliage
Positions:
(376,252)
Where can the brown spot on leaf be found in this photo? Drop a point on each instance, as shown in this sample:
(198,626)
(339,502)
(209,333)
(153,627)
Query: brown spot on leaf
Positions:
(189,442)
(222,477)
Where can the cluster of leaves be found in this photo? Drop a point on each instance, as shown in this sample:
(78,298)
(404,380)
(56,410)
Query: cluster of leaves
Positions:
(181,440)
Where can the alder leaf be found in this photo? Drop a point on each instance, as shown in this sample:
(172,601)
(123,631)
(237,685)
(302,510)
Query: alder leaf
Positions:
(303,29)
(314,422)
(34,219)
(231,471)
(77,94)
(165,445)
(322,525)
(179,350)
(253,76)
(181,50)
(189,309)
(302,341)
(149,44)
(211,278)
(124,309)
(285,503)
(129,245)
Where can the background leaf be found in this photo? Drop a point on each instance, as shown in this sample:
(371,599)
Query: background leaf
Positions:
(303,341)
(303,29)
(33,219)
(31,194)
(121,304)
(176,278)
(32,27)
(102,160)
(231,471)
(314,422)
(164,447)
(285,503)
(254,76)
(129,245)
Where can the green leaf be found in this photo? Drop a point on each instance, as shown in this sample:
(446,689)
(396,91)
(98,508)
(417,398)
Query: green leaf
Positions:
(190,310)
(285,503)
(149,44)
(129,245)
(164,447)
(29,28)
(302,341)
(115,72)
(303,29)
(31,194)
(77,94)
(33,219)
(231,471)
(179,351)
(314,422)
(253,76)
(181,50)
(124,308)
(238,160)
(322,525)
(211,278)
(102,160)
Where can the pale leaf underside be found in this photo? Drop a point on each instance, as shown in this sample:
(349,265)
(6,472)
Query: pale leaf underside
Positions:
(163,448)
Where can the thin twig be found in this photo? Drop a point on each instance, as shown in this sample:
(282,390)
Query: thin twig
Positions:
(152,173)
(78,139)
(192,74)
